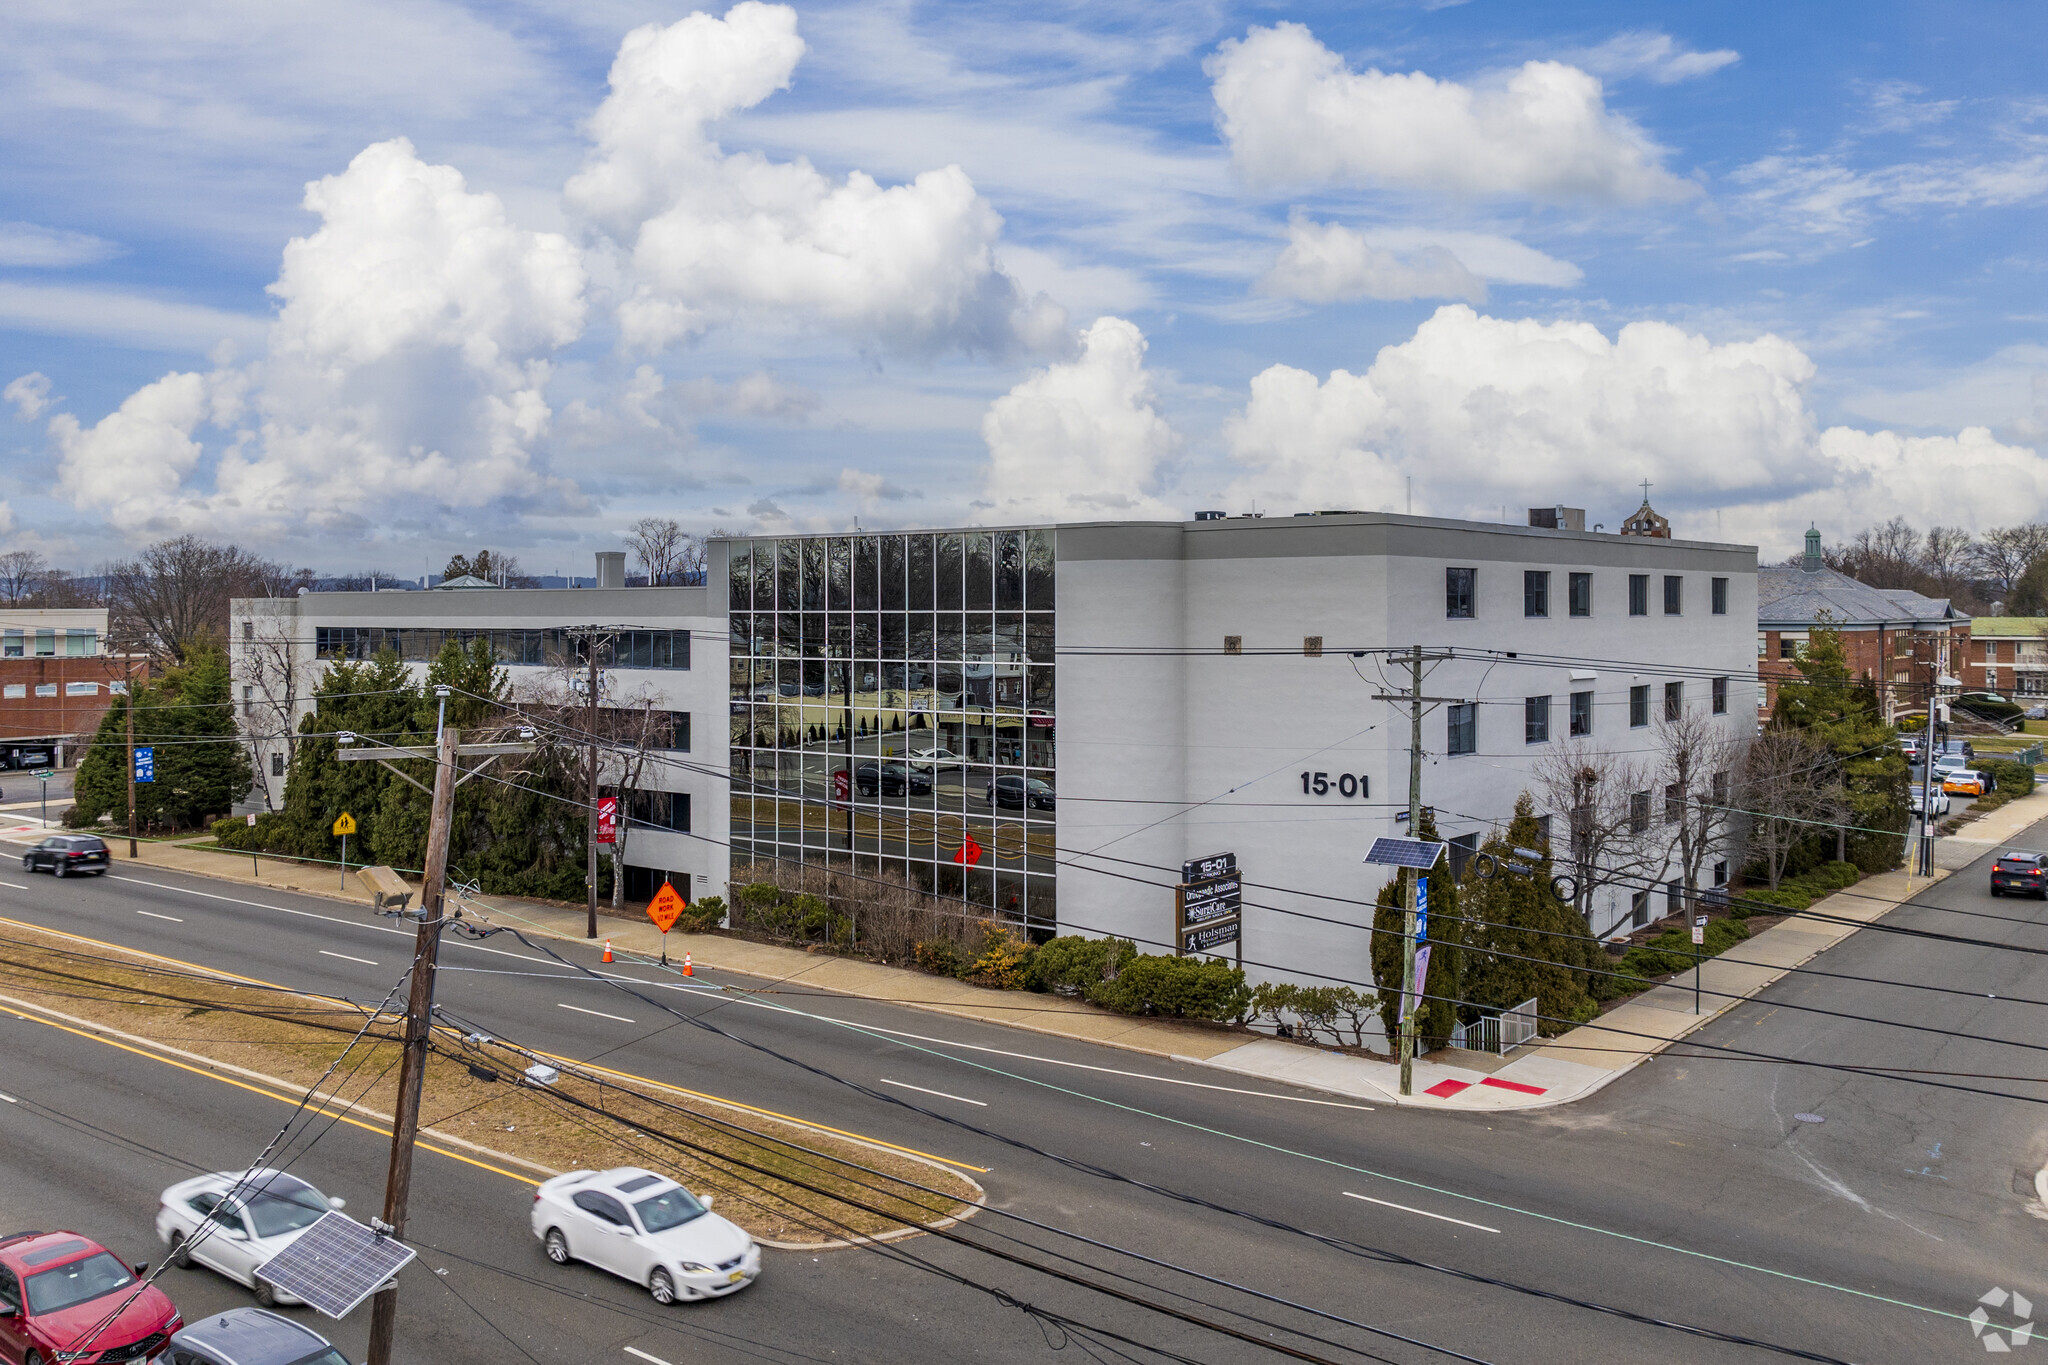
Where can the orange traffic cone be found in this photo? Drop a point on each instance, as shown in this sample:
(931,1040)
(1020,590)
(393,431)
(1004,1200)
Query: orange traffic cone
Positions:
(607,950)
(688,970)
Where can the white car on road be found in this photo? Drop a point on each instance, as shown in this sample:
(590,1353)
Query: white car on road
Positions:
(935,759)
(645,1228)
(253,1215)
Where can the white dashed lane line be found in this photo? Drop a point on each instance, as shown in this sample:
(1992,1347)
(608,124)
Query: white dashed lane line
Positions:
(1442,1218)
(154,915)
(346,958)
(905,1085)
(599,1013)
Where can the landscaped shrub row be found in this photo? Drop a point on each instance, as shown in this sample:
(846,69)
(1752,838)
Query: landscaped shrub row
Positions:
(1109,972)
(1672,950)
(1800,892)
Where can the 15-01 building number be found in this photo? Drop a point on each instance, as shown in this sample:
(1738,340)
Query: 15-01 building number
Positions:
(1350,786)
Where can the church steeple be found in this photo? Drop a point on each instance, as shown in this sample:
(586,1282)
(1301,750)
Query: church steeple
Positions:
(1813,560)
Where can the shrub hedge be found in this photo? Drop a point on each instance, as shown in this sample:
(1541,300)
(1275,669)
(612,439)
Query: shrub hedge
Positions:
(1800,892)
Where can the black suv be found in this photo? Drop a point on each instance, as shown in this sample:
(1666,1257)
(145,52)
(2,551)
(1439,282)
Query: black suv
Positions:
(1020,792)
(65,854)
(2020,872)
(891,779)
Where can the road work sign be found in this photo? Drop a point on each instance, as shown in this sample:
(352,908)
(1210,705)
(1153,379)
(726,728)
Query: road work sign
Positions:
(666,907)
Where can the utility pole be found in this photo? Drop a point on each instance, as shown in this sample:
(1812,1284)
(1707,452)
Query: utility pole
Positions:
(1416,703)
(419,1009)
(590,802)
(128,711)
(405,1119)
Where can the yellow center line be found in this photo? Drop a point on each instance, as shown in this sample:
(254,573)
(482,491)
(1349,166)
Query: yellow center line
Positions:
(455,1032)
(321,1107)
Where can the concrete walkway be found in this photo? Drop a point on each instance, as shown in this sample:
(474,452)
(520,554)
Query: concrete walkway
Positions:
(1558,1072)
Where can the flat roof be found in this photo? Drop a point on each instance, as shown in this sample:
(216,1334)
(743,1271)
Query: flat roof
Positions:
(559,606)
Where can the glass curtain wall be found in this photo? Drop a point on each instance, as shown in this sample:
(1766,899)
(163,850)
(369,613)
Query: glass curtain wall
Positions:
(893,705)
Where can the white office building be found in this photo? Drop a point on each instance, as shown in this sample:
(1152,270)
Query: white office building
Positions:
(1048,721)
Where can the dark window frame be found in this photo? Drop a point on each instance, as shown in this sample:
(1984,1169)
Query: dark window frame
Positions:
(1638,706)
(1719,592)
(1638,594)
(1579,594)
(1674,699)
(1535,592)
(1581,714)
(1536,719)
(1720,686)
(1674,594)
(1461,594)
(1461,726)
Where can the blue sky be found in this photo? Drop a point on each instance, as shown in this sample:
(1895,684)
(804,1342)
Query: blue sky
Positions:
(558,269)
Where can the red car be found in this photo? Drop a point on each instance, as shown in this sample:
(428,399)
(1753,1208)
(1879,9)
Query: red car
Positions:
(58,1288)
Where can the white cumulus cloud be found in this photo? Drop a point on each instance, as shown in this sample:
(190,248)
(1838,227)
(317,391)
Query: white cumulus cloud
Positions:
(1294,113)
(1658,56)
(404,378)
(30,395)
(1327,261)
(711,236)
(1081,439)
(1484,411)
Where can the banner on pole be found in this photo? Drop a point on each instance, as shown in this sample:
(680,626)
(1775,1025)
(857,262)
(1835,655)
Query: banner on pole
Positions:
(1413,1000)
(607,819)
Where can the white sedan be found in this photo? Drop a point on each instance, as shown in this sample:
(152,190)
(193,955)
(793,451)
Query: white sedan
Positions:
(645,1228)
(249,1217)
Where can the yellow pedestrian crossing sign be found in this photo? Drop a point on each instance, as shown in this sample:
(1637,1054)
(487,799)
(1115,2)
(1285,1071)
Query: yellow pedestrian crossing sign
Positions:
(345,825)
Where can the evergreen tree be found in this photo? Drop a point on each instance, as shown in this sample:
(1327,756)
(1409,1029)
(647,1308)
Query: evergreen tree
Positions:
(375,699)
(1515,913)
(1841,711)
(187,718)
(1436,1016)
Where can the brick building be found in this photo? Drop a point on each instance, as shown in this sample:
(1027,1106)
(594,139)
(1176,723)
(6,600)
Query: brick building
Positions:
(2008,655)
(1900,641)
(56,682)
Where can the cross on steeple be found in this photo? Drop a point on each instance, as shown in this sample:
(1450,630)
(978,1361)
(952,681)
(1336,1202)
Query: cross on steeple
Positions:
(1646,492)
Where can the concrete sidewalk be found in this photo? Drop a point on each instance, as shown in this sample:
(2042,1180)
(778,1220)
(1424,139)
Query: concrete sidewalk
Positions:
(1558,1072)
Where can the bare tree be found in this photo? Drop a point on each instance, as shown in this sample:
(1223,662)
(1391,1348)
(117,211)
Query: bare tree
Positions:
(1593,786)
(2004,552)
(1696,772)
(183,589)
(266,667)
(22,575)
(365,580)
(1787,787)
(657,543)
(1947,555)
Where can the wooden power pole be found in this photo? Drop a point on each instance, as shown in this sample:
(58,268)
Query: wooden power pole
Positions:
(590,799)
(128,710)
(419,1022)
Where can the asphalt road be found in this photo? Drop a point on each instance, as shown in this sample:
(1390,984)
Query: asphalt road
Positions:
(1687,1190)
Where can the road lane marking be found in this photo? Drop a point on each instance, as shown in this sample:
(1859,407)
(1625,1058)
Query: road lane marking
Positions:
(599,1013)
(10,1099)
(940,1093)
(154,915)
(343,956)
(636,1351)
(1445,1218)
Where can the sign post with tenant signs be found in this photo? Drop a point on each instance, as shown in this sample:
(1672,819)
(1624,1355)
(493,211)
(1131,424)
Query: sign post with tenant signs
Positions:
(666,907)
(1208,906)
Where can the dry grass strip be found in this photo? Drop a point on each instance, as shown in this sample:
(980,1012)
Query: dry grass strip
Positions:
(775,1179)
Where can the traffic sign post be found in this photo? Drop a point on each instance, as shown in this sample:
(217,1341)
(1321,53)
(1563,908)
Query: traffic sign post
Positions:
(1699,936)
(344,825)
(666,907)
(44,778)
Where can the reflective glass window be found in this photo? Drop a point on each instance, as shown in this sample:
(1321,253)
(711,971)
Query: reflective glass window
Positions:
(947,592)
(1009,568)
(1038,570)
(741,576)
(977,559)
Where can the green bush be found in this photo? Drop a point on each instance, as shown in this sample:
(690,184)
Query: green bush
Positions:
(235,831)
(2013,778)
(1672,950)
(940,959)
(1991,710)
(1004,961)
(1786,897)
(702,916)
(1182,987)
(1073,965)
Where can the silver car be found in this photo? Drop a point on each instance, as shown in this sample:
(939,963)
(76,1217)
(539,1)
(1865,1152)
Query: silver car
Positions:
(249,1217)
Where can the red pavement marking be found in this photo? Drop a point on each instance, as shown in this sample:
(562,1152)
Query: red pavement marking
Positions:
(1443,1090)
(1515,1085)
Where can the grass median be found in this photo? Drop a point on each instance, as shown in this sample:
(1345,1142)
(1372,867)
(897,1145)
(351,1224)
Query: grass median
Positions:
(782,1181)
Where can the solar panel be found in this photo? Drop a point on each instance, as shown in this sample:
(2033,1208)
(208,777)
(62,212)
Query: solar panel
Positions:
(1421,853)
(335,1264)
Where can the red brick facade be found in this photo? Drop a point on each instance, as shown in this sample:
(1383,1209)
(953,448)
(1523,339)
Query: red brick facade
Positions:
(1901,661)
(61,698)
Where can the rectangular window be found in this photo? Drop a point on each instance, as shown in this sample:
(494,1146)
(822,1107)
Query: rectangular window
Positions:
(1674,589)
(248,699)
(1464,728)
(1720,696)
(1639,909)
(12,645)
(80,644)
(14,690)
(1674,700)
(1720,789)
(1639,812)
(1580,592)
(46,689)
(1535,592)
(1788,648)
(1720,597)
(1639,706)
(1638,594)
(1582,713)
(81,689)
(1674,803)
(1458,590)
(46,644)
(277,765)
(1536,720)
(1721,873)
(1674,897)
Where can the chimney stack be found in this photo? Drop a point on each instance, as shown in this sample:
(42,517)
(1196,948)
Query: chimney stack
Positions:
(611,568)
